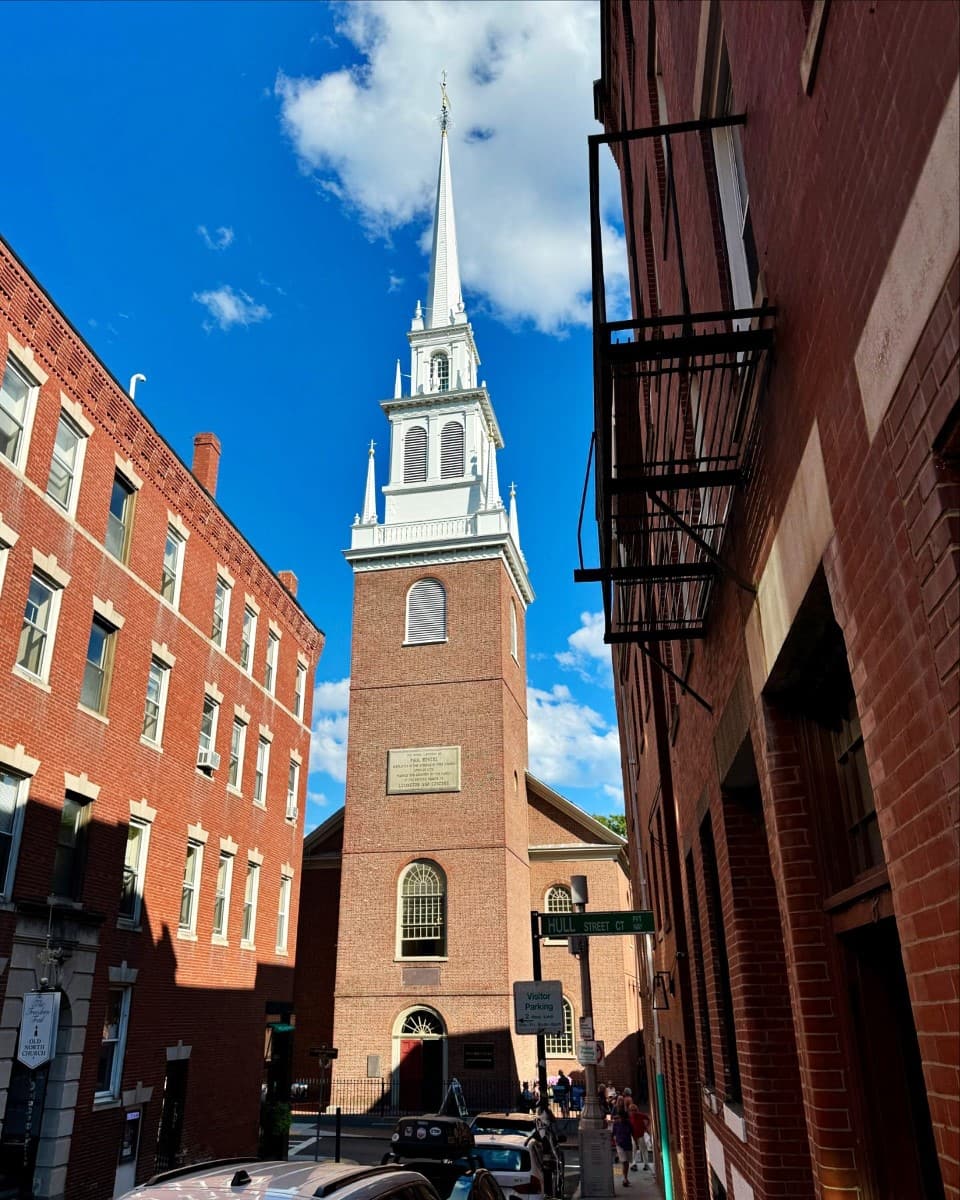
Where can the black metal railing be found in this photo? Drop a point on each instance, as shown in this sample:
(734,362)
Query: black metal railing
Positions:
(676,402)
(375,1097)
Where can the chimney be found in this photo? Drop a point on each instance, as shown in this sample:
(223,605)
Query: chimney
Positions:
(206,460)
(289,581)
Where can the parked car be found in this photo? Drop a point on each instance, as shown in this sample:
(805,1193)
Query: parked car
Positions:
(516,1161)
(538,1125)
(292,1180)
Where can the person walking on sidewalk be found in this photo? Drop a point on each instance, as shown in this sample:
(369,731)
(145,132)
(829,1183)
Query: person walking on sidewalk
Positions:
(623,1138)
(640,1128)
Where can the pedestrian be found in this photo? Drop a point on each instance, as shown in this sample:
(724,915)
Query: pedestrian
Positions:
(639,1126)
(561,1094)
(602,1099)
(622,1139)
(526,1098)
(577,1092)
(611,1093)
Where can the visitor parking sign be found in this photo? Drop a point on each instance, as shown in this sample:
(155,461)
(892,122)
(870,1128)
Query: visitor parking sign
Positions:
(538,1006)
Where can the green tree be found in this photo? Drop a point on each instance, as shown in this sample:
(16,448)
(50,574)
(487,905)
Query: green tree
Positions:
(617,822)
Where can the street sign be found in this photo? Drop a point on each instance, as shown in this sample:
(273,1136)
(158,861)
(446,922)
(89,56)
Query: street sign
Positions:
(595,924)
(538,1006)
(587,1053)
(586,1029)
(326,1054)
(38,1028)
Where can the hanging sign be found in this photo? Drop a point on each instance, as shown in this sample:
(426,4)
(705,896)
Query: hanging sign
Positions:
(538,1006)
(38,1028)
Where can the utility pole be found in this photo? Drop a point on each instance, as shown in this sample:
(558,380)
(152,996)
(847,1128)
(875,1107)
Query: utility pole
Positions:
(596,1170)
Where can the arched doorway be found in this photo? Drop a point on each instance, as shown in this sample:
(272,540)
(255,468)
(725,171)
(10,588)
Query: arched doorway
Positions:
(419,1057)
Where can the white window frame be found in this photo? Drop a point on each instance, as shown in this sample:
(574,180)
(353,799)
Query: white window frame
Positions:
(208,738)
(49,631)
(550,905)
(188,928)
(261,772)
(73,491)
(164,671)
(431,640)
(299,686)
(225,859)
(248,644)
(224,616)
(20,785)
(441,875)
(172,575)
(453,430)
(251,894)
(12,363)
(120,1046)
(560,1045)
(412,469)
(293,790)
(283,913)
(270,669)
(240,743)
(132,920)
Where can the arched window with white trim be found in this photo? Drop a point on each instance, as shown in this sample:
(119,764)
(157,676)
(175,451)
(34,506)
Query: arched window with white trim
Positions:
(557,900)
(423,911)
(415,455)
(440,372)
(560,1045)
(451,450)
(426,612)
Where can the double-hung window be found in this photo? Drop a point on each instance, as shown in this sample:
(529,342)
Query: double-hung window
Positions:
(273,649)
(207,757)
(251,889)
(70,854)
(191,886)
(293,789)
(39,626)
(283,913)
(221,895)
(134,870)
(113,1043)
(238,737)
(17,394)
(120,517)
(299,689)
(13,796)
(221,611)
(172,573)
(260,774)
(64,478)
(155,704)
(248,639)
(98,668)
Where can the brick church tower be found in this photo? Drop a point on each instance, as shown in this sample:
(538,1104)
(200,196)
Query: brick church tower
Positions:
(435,884)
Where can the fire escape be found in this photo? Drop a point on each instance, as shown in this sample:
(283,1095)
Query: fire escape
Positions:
(676,400)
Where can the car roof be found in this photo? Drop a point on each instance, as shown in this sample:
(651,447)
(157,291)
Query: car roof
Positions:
(265,1179)
(519,1141)
(506,1116)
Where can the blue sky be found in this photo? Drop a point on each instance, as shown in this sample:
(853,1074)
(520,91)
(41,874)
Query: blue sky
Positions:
(234,200)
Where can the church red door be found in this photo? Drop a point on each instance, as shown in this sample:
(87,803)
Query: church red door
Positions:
(411,1074)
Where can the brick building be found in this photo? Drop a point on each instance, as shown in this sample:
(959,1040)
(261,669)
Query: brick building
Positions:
(446,843)
(777,496)
(155,695)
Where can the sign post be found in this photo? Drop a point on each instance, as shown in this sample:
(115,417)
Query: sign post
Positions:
(325,1056)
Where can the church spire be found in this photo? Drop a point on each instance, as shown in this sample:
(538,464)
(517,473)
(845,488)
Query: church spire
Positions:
(370,495)
(444,298)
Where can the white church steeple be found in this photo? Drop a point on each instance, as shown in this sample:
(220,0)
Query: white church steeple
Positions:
(442,496)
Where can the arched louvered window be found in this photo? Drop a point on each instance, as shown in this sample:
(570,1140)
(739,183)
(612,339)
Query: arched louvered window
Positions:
(415,455)
(560,1045)
(513,630)
(426,612)
(440,372)
(423,911)
(451,450)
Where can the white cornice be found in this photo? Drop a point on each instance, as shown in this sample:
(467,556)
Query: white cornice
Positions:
(434,401)
(387,558)
(584,850)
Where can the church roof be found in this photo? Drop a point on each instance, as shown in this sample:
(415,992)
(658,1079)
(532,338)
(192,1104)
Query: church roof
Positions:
(444,297)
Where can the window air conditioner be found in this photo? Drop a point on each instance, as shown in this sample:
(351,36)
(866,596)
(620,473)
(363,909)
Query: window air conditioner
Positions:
(208,760)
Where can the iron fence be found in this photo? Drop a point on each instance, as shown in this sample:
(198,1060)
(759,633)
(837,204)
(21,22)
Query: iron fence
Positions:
(374,1097)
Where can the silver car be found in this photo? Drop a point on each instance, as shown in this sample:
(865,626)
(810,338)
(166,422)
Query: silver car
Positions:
(246,1179)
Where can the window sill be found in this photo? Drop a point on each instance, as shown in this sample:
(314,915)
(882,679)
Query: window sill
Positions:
(248,945)
(55,901)
(92,712)
(431,642)
(734,1119)
(29,677)
(281,953)
(219,940)
(184,935)
(261,804)
(427,958)
(208,775)
(234,791)
(151,745)
(129,925)
(102,1103)
(290,819)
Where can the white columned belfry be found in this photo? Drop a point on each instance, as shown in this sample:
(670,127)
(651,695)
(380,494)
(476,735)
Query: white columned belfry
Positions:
(442,494)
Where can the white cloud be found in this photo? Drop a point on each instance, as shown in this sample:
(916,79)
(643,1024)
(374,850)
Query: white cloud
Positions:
(228,307)
(520,82)
(395,282)
(588,654)
(220,239)
(571,745)
(328,741)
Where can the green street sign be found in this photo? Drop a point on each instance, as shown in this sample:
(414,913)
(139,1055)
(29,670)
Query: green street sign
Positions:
(595,924)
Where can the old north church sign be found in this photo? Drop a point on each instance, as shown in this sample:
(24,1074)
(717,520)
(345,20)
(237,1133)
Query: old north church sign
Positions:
(423,769)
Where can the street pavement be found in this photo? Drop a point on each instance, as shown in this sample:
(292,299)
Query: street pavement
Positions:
(367,1143)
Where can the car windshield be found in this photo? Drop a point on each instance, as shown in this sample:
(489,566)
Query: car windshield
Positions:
(503,1124)
(503,1158)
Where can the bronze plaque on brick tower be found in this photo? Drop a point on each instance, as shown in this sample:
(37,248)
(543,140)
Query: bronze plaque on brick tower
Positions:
(423,769)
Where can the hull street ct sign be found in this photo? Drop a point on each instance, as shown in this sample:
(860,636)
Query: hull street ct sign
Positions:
(538,1006)
(594,924)
(38,1028)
